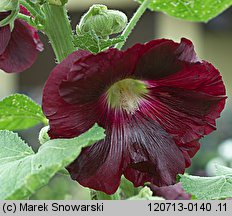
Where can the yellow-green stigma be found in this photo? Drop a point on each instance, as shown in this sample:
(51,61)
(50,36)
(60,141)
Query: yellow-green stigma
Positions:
(126,94)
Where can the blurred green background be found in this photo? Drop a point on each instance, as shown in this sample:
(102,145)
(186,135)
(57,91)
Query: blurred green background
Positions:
(213,42)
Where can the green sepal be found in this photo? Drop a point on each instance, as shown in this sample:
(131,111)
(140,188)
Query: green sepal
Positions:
(91,42)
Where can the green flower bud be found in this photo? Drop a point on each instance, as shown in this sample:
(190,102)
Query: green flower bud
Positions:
(11,6)
(145,194)
(43,135)
(102,21)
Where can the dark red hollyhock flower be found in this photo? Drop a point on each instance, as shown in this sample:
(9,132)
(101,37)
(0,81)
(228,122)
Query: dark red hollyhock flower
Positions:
(19,48)
(155,100)
(172,192)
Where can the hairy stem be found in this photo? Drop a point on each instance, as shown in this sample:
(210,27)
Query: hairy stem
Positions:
(59,31)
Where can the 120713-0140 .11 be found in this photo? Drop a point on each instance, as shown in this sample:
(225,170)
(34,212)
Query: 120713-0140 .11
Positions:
(188,206)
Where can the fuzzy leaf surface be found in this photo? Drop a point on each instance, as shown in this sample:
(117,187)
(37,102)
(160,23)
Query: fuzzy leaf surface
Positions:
(209,188)
(22,171)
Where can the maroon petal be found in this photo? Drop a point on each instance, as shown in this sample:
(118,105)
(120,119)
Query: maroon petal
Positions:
(154,142)
(203,76)
(172,192)
(182,113)
(187,111)
(152,155)
(22,49)
(91,76)
(160,58)
(100,166)
(4,38)
(135,146)
(189,150)
(54,107)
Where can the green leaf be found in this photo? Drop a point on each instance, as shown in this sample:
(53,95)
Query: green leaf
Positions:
(22,171)
(128,189)
(18,112)
(98,195)
(90,41)
(222,170)
(191,10)
(207,188)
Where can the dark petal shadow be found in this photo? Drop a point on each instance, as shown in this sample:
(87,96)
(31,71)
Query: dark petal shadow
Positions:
(161,58)
(151,155)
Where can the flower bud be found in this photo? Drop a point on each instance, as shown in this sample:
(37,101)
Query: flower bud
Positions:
(102,21)
(43,135)
(145,194)
(8,11)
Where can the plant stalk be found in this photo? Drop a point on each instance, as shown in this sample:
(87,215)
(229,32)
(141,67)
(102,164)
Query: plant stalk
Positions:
(58,30)
(130,26)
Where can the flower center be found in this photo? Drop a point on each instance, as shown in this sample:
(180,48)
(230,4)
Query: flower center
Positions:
(126,94)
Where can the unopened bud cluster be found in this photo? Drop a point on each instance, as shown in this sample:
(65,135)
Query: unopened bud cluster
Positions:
(102,21)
